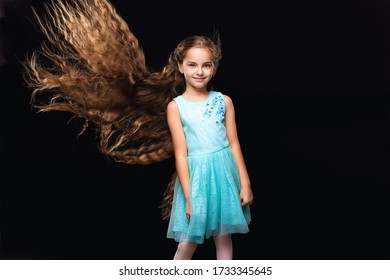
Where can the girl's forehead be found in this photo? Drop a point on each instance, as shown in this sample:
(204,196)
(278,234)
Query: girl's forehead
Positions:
(198,53)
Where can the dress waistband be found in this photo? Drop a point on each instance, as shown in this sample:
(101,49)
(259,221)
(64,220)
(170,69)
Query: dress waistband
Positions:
(224,148)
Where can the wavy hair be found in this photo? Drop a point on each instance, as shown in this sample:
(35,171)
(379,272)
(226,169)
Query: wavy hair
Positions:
(93,66)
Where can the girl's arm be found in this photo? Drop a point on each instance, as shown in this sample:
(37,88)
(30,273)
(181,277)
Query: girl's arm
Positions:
(180,150)
(246,194)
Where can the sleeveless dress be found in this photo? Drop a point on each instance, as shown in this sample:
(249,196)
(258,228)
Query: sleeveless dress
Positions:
(214,180)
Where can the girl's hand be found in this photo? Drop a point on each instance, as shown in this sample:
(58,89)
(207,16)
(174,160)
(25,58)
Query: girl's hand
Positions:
(246,196)
(188,210)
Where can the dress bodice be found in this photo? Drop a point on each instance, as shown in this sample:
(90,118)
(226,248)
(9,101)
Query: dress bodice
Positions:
(203,123)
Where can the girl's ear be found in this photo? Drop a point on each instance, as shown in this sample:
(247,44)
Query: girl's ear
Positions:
(180,68)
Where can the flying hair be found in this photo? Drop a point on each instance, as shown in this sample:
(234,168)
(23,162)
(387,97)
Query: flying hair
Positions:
(92,66)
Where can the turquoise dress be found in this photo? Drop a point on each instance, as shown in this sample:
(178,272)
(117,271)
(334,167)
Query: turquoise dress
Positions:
(214,180)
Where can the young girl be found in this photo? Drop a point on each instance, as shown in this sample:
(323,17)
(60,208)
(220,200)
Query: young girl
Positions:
(208,200)
(93,67)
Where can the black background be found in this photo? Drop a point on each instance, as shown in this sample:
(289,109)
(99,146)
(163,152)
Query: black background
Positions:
(310,81)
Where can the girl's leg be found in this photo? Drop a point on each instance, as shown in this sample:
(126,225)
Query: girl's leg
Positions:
(224,247)
(185,250)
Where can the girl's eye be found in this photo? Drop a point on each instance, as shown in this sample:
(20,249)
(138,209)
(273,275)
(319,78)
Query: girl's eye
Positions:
(191,65)
(207,66)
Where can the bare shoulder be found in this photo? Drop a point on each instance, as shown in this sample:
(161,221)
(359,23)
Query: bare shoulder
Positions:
(228,100)
(172,106)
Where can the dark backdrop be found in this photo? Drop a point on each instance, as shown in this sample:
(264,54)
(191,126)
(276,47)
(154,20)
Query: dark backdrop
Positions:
(310,82)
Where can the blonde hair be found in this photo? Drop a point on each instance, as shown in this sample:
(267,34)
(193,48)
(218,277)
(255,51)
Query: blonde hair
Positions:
(92,66)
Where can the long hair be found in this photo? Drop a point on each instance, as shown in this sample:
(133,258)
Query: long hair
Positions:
(92,66)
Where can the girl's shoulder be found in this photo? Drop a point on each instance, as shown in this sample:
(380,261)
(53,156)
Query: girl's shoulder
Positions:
(219,94)
(172,105)
(225,96)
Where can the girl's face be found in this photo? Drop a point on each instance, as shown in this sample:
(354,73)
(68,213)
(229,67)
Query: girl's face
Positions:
(197,67)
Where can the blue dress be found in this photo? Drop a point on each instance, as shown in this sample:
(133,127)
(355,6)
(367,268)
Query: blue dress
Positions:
(214,180)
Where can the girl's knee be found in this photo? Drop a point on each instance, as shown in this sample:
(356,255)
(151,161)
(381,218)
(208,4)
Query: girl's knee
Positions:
(186,246)
(223,238)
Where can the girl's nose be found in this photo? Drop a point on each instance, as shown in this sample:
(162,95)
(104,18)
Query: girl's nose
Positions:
(199,71)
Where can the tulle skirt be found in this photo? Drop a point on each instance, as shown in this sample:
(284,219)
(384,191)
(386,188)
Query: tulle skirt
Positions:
(214,200)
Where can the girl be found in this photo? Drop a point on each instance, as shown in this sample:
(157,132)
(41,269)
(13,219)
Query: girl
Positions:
(93,67)
(207,199)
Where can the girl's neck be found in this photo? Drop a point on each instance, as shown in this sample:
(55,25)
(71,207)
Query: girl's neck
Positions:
(196,95)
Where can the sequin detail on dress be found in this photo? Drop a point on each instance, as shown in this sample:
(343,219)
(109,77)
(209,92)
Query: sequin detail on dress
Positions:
(216,106)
